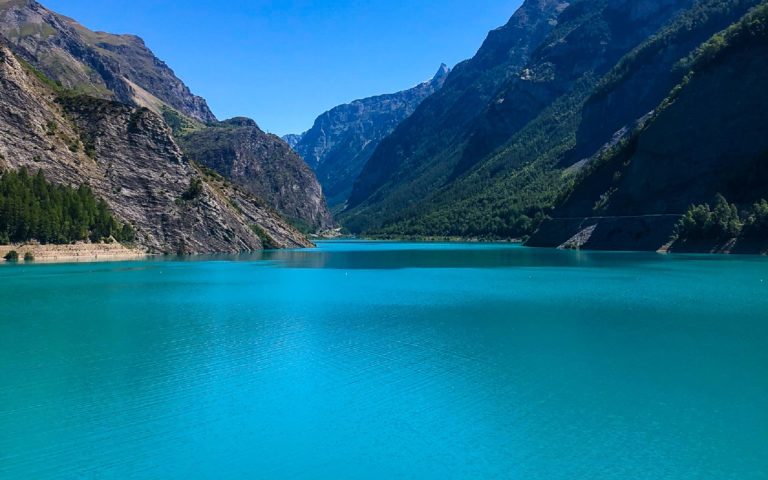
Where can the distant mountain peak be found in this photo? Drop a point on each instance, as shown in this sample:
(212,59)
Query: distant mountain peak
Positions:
(342,139)
(442,72)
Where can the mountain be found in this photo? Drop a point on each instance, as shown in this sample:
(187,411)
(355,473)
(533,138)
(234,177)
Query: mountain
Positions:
(103,65)
(97,80)
(263,165)
(342,139)
(415,159)
(128,157)
(705,140)
(292,139)
(591,73)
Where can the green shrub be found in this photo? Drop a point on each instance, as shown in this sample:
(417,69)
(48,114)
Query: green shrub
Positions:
(127,234)
(29,257)
(179,124)
(756,225)
(723,221)
(266,241)
(701,222)
(194,191)
(12,256)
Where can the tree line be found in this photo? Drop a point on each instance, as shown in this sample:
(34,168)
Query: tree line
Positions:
(32,208)
(723,221)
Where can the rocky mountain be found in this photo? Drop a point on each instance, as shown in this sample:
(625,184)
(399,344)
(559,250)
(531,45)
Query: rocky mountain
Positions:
(342,139)
(128,156)
(103,65)
(704,139)
(593,73)
(292,139)
(96,87)
(263,165)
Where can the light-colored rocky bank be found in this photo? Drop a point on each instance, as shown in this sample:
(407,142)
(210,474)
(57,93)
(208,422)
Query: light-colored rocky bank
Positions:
(79,252)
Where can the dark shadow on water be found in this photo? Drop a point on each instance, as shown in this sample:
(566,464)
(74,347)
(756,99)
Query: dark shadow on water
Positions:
(481,256)
(360,255)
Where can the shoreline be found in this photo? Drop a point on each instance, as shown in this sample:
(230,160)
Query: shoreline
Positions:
(433,239)
(72,253)
(668,249)
(115,252)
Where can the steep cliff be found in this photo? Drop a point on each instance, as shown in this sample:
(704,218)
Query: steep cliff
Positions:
(292,139)
(341,141)
(264,165)
(127,155)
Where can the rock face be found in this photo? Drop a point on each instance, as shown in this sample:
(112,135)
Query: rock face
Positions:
(263,165)
(94,107)
(114,67)
(342,140)
(292,139)
(128,156)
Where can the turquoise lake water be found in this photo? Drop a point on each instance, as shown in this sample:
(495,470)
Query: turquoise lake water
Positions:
(387,361)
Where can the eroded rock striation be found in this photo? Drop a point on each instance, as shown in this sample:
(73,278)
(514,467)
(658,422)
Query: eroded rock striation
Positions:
(129,157)
(264,165)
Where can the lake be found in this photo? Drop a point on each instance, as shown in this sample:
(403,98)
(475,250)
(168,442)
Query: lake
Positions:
(368,360)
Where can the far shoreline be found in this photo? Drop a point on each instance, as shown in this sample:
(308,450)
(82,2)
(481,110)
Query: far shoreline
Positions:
(704,249)
(428,239)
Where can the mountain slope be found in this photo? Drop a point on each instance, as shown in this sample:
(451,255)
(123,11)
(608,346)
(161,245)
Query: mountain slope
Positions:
(342,139)
(410,163)
(121,68)
(509,192)
(128,157)
(598,87)
(115,67)
(706,138)
(263,165)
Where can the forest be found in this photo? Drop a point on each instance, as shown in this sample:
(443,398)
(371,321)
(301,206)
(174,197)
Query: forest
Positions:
(32,208)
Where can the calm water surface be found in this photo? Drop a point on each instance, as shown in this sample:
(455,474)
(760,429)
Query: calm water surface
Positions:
(387,361)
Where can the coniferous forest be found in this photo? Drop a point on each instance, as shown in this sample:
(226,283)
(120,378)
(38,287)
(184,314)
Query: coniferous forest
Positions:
(31,208)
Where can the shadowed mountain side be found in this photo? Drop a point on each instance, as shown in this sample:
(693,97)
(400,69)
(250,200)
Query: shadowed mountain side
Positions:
(342,140)
(264,165)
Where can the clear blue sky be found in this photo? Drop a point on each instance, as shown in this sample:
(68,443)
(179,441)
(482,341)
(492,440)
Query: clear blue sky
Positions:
(284,62)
